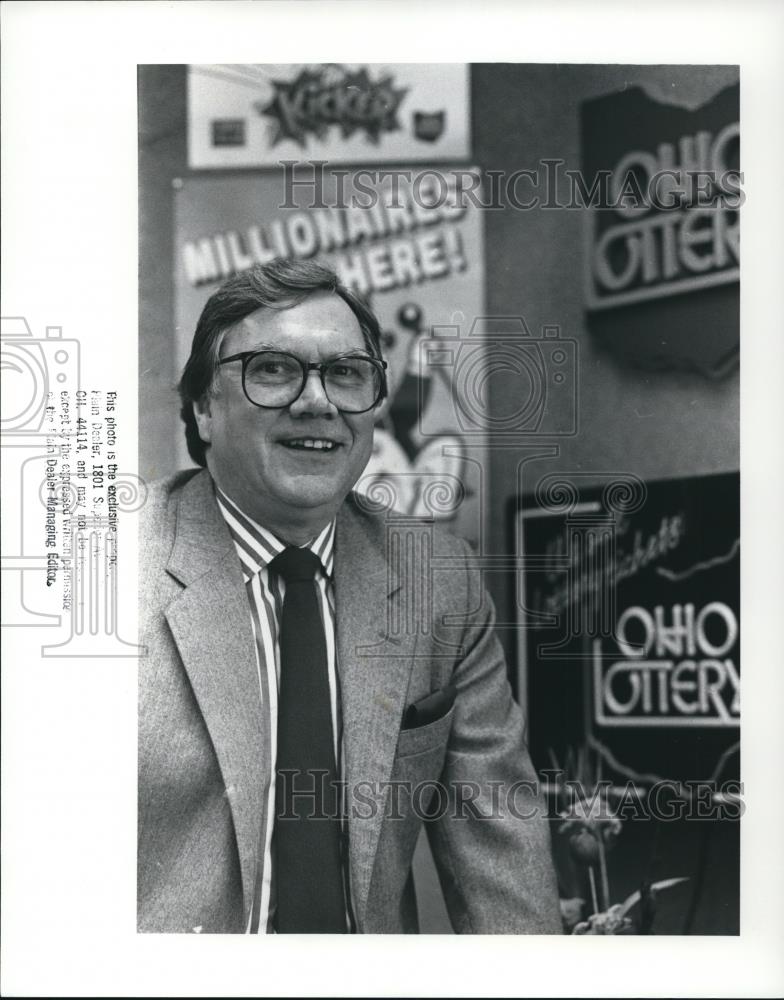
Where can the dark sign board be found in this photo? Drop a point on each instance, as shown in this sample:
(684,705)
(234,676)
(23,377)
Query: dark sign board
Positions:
(631,628)
(662,239)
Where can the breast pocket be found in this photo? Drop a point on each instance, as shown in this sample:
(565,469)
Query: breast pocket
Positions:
(427,739)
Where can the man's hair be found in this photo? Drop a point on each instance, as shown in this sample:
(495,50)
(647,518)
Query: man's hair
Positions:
(278,285)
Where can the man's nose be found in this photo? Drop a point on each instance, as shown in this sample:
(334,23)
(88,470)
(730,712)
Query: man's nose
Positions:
(313,399)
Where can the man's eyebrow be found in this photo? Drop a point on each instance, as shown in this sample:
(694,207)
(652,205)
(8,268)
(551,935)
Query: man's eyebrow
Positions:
(261,347)
(354,352)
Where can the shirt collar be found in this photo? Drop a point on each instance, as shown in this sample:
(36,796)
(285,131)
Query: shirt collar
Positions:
(257,547)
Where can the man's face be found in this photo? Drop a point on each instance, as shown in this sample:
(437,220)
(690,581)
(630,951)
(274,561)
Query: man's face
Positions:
(256,455)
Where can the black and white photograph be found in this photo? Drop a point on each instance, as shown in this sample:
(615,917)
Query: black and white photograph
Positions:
(390,477)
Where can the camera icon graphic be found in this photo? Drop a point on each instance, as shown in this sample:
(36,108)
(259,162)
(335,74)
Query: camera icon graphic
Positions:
(32,368)
(34,371)
(503,380)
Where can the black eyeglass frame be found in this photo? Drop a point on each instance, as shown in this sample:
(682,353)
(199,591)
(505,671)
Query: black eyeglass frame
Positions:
(307,367)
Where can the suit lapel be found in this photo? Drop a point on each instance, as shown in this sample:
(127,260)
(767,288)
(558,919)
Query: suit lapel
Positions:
(374,671)
(211,625)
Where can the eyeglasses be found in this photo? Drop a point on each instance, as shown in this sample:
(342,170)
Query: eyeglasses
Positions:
(353,383)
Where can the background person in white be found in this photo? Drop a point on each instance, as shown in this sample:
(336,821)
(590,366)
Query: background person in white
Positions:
(207,686)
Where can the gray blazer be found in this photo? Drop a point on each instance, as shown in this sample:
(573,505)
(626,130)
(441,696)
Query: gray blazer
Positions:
(201,729)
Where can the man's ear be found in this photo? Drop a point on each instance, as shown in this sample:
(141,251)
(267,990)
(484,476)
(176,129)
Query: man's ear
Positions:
(202,411)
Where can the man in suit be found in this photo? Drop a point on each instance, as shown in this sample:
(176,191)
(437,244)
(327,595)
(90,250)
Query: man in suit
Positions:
(298,726)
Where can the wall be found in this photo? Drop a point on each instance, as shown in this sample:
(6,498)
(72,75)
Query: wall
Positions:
(162,158)
(655,426)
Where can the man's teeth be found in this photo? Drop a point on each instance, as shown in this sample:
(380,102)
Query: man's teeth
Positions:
(317,444)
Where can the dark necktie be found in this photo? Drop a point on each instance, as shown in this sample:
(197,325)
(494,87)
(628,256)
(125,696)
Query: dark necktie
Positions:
(308,873)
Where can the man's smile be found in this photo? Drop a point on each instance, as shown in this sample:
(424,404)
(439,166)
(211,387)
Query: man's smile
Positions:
(313,444)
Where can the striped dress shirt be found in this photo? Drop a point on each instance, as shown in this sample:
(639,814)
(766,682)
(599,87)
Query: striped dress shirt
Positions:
(256,548)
